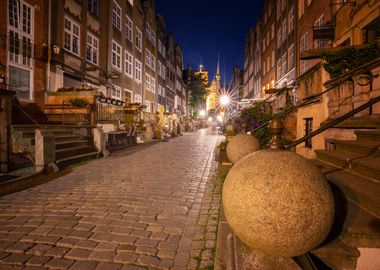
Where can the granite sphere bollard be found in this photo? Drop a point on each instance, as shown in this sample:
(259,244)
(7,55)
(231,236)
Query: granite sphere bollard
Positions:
(278,203)
(241,145)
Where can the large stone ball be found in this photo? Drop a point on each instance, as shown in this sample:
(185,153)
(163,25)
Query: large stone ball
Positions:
(241,145)
(278,203)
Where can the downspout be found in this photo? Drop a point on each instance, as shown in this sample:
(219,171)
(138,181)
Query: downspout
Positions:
(48,79)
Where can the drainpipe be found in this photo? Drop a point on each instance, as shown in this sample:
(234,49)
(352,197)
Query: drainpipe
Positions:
(48,51)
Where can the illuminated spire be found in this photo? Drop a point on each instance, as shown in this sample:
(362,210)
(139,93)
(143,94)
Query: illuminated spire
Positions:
(218,70)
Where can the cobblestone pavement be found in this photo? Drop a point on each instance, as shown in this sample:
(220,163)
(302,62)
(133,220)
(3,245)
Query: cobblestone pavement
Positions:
(155,209)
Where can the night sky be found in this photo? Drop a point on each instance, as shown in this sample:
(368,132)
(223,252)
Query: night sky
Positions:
(208,27)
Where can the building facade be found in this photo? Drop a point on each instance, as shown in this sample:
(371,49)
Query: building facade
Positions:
(24,48)
(118,48)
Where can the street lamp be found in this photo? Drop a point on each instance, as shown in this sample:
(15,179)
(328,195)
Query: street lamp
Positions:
(202,113)
(224,100)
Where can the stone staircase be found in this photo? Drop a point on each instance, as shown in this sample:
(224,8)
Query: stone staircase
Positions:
(353,169)
(70,147)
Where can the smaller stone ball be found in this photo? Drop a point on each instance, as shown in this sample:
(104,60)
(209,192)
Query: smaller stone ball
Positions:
(241,145)
(279,203)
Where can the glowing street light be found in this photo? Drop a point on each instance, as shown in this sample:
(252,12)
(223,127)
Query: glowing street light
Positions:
(202,113)
(224,100)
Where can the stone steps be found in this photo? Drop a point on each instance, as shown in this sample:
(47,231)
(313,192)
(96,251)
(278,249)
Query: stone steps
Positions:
(62,163)
(363,147)
(73,151)
(353,170)
(364,135)
(337,255)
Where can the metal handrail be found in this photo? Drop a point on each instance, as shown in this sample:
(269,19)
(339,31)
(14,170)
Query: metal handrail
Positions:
(333,122)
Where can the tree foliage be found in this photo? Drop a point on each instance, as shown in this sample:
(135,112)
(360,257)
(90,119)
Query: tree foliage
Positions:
(197,91)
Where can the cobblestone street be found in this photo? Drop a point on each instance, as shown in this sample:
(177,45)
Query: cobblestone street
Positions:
(155,209)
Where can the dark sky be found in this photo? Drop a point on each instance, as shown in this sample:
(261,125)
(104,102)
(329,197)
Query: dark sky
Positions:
(207,27)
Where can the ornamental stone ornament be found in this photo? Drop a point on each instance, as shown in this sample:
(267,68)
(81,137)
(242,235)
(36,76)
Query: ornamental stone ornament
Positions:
(240,146)
(278,203)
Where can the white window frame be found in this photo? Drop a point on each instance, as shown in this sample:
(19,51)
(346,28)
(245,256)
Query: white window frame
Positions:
(138,39)
(116,92)
(159,68)
(147,104)
(72,35)
(159,90)
(291,56)
(116,15)
(92,47)
(159,46)
(147,82)
(117,54)
(20,59)
(163,71)
(153,62)
(138,73)
(152,85)
(129,91)
(128,28)
(147,57)
(148,31)
(128,64)
(153,38)
(138,98)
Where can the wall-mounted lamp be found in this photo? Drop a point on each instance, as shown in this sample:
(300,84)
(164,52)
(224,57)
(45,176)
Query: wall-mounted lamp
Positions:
(113,76)
(56,49)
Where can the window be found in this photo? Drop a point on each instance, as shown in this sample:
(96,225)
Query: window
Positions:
(147,82)
(71,36)
(308,129)
(284,29)
(163,91)
(148,31)
(272,32)
(20,80)
(138,39)
(92,48)
(279,37)
(163,71)
(159,90)
(160,47)
(147,57)
(304,46)
(164,51)
(147,105)
(153,85)
(159,68)
(291,19)
(153,62)
(138,98)
(279,75)
(153,38)
(116,15)
(128,28)
(291,56)
(128,64)
(93,7)
(319,43)
(20,34)
(284,63)
(128,96)
(273,59)
(137,70)
(116,55)
(116,92)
